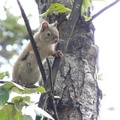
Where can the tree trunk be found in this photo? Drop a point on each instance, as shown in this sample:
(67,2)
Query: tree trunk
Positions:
(76,81)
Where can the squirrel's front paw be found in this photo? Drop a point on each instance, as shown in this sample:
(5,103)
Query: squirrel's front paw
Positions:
(57,53)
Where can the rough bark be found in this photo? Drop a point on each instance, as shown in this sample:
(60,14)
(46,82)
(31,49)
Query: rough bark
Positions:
(76,82)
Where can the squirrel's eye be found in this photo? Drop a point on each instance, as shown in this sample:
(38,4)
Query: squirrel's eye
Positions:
(48,33)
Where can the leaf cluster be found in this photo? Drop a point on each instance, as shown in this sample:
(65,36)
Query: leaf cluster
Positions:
(12,109)
(60,8)
(10,29)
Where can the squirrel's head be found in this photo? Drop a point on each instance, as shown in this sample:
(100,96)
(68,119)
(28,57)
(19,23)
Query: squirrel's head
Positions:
(49,32)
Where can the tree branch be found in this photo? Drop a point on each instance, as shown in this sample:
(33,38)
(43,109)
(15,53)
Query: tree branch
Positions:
(2,82)
(67,32)
(50,82)
(51,96)
(105,8)
(41,68)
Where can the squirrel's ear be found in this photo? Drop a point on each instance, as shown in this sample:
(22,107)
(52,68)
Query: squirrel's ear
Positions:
(55,24)
(44,25)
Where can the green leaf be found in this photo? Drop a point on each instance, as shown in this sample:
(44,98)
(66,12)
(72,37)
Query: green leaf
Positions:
(26,99)
(5,112)
(28,90)
(15,113)
(17,90)
(3,74)
(4,96)
(22,90)
(42,113)
(18,86)
(10,85)
(25,117)
(40,89)
(56,7)
(18,105)
(85,5)
(8,112)
(87,18)
(20,101)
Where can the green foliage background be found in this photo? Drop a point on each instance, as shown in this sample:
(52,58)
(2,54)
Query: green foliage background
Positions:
(11,33)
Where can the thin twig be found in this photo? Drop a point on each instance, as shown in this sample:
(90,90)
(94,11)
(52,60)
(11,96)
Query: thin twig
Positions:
(2,82)
(105,8)
(54,107)
(11,103)
(41,68)
(52,91)
(50,82)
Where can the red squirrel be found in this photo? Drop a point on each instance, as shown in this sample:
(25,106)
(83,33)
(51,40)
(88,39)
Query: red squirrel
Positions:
(25,70)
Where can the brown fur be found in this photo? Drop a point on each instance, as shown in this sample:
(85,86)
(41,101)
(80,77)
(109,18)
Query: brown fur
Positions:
(25,69)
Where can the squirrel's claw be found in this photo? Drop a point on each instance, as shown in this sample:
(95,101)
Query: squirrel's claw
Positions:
(58,53)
